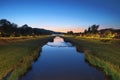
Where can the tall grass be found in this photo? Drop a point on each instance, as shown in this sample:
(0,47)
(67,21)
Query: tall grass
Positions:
(16,55)
(104,53)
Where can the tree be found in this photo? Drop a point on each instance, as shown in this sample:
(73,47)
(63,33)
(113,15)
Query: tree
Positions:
(85,31)
(89,30)
(25,30)
(94,28)
(14,29)
(8,29)
(5,27)
(70,32)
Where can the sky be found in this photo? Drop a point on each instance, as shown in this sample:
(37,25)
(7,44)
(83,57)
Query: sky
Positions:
(62,15)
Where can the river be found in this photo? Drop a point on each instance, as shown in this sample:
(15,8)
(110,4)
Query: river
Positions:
(60,60)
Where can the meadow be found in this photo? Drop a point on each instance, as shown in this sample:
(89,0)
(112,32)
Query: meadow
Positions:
(17,54)
(100,52)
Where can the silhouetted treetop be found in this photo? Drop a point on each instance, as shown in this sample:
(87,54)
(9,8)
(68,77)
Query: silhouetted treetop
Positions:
(92,29)
(11,29)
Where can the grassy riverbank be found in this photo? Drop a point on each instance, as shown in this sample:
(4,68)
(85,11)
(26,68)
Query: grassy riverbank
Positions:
(103,53)
(17,54)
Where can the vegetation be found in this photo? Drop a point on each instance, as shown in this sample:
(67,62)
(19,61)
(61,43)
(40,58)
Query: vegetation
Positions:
(93,32)
(19,46)
(17,54)
(8,29)
(101,52)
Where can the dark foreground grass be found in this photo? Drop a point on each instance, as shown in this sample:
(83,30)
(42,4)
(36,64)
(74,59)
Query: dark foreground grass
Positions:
(101,53)
(16,55)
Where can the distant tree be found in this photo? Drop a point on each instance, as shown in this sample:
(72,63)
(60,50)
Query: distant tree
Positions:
(85,31)
(70,32)
(36,31)
(14,29)
(94,28)
(25,30)
(8,29)
(5,27)
(89,30)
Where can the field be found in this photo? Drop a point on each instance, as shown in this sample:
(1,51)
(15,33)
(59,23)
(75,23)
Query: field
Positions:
(103,53)
(17,54)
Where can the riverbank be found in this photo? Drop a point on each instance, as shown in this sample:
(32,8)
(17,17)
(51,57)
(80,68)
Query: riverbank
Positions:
(17,54)
(101,53)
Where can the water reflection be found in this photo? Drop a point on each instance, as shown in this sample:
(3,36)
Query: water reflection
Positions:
(59,42)
(62,63)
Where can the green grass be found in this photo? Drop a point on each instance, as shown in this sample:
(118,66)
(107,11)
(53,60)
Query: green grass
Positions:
(16,55)
(104,53)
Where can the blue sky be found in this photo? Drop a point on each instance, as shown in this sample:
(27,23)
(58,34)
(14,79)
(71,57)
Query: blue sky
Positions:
(62,15)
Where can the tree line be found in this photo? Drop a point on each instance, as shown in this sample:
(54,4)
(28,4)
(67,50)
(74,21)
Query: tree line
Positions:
(8,29)
(102,33)
(93,32)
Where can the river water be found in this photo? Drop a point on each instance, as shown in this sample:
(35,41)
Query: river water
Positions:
(60,60)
